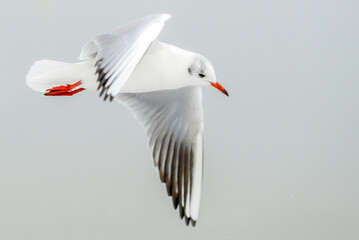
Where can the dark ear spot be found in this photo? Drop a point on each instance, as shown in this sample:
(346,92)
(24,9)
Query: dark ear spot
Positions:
(201,75)
(189,70)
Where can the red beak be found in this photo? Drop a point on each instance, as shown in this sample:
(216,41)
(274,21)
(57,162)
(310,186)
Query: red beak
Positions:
(220,88)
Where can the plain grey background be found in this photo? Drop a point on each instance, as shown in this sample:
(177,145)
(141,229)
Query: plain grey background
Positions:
(281,154)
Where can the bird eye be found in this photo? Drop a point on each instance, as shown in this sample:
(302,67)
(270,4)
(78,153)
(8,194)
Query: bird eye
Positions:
(201,75)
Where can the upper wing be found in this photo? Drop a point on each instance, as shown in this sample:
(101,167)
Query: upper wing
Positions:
(173,121)
(118,52)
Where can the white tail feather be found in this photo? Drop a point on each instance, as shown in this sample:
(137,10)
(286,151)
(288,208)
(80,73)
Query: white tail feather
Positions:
(45,74)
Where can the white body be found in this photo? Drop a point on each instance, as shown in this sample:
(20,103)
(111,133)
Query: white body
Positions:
(163,67)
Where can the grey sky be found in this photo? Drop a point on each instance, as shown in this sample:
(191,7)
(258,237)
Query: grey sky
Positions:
(281,154)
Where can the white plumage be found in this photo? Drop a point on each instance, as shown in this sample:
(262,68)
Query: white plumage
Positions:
(160,83)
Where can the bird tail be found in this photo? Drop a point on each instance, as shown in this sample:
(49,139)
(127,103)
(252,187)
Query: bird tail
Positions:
(60,78)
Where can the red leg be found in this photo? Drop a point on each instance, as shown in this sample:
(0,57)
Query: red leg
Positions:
(64,90)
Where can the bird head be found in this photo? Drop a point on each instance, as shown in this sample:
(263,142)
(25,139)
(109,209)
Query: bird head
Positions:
(201,70)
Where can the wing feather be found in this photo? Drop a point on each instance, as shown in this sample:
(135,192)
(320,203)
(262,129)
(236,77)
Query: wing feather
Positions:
(118,52)
(173,121)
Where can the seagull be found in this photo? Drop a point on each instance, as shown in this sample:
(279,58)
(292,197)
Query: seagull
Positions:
(159,83)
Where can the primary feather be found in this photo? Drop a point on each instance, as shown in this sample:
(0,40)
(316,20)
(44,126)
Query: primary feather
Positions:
(173,121)
(120,51)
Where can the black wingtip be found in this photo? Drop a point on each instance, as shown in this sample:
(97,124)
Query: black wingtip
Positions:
(102,80)
(187,220)
(181,211)
(175,201)
(102,91)
(168,188)
(193,222)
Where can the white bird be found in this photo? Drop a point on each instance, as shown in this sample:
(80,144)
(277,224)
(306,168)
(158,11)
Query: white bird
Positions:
(160,83)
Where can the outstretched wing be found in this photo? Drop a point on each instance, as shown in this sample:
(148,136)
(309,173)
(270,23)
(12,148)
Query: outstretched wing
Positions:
(118,52)
(173,121)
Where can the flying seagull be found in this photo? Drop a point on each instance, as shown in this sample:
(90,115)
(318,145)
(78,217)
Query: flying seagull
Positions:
(160,83)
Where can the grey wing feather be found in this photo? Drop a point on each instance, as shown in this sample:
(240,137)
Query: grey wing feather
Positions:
(118,52)
(173,121)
